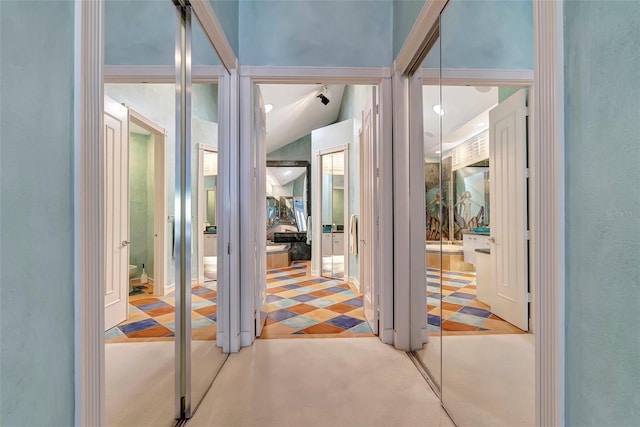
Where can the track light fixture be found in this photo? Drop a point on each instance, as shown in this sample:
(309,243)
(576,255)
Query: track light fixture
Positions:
(324,95)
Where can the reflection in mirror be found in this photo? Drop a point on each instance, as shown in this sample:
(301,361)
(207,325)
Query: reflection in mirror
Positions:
(436,219)
(486,344)
(333,214)
(206,353)
(139,124)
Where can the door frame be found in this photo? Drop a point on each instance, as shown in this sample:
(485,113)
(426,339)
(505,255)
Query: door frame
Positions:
(546,184)
(316,206)
(381,77)
(160,286)
(89,79)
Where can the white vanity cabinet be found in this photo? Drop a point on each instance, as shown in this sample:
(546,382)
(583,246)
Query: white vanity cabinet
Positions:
(210,244)
(327,244)
(332,244)
(471,242)
(338,244)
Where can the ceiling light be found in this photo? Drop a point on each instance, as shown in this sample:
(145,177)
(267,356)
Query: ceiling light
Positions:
(268,108)
(438,109)
(324,95)
(438,152)
(483,89)
(481,124)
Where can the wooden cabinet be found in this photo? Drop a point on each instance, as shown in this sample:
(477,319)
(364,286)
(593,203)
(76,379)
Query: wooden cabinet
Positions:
(471,242)
(210,244)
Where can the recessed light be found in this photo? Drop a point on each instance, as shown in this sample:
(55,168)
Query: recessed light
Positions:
(268,108)
(438,110)
(483,89)
(481,124)
(438,152)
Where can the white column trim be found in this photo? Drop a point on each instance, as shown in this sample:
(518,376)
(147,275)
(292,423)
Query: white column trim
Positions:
(215,33)
(401,218)
(89,216)
(547,228)
(385,212)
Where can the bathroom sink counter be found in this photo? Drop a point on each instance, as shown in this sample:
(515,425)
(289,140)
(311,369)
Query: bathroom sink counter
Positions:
(487,233)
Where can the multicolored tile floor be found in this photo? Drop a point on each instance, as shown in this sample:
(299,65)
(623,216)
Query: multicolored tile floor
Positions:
(301,305)
(462,313)
(152,318)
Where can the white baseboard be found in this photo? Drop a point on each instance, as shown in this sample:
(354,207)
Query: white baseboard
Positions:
(169,288)
(386,336)
(355,283)
(246,339)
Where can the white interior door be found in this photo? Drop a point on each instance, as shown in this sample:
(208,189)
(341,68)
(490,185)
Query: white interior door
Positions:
(507,168)
(368,212)
(116,212)
(260,183)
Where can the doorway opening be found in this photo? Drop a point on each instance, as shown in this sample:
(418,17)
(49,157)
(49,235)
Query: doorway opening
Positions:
(310,282)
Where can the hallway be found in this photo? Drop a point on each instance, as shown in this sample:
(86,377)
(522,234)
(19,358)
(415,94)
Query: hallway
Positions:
(330,382)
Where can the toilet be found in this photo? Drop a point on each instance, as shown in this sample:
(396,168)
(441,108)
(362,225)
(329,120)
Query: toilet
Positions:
(133,271)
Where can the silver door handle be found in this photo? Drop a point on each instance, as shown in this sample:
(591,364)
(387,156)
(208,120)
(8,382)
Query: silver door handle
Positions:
(125,243)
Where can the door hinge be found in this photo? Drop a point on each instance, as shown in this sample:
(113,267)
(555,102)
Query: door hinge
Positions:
(526,172)
(526,111)
(377,108)
(528,296)
(229,248)
(377,172)
(527,235)
(255,172)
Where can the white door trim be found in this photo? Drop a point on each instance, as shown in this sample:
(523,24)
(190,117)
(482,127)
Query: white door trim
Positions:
(214,31)
(160,245)
(333,75)
(89,216)
(547,225)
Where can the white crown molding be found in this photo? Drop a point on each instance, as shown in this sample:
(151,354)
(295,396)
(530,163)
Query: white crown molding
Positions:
(89,218)
(548,231)
(412,48)
(160,73)
(306,75)
(470,76)
(213,30)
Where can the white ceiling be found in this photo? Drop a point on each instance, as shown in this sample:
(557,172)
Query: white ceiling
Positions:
(284,175)
(297,111)
(466,113)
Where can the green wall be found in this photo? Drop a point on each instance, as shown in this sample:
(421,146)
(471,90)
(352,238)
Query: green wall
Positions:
(405,13)
(300,149)
(141,202)
(602,108)
(36,213)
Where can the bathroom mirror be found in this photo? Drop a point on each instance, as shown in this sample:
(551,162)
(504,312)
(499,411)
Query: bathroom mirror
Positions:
(333,214)
(211,207)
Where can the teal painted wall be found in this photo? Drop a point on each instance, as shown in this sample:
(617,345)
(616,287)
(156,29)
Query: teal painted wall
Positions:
(300,149)
(36,213)
(141,202)
(602,103)
(485,34)
(227,12)
(405,13)
(316,33)
(142,32)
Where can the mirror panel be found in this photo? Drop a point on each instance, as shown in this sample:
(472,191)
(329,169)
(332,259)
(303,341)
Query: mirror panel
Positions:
(487,354)
(207,357)
(138,165)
